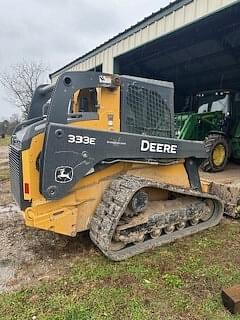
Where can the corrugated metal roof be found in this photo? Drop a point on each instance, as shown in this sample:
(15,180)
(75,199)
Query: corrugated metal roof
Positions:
(139,25)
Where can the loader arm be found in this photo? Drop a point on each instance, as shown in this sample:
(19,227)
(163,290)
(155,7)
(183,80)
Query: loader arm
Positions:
(80,150)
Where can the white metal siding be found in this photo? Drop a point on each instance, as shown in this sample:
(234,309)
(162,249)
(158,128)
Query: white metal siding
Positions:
(184,15)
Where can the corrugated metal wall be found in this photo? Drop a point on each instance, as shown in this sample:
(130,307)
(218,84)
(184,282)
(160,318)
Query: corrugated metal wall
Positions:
(188,13)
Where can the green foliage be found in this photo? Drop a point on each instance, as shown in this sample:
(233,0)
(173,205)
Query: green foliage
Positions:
(172,280)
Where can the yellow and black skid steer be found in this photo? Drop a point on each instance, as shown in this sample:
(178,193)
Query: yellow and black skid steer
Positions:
(98,153)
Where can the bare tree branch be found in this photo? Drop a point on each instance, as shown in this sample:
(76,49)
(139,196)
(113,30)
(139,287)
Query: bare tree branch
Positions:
(20,82)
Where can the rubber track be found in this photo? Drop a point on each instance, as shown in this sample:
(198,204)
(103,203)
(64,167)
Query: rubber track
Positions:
(114,203)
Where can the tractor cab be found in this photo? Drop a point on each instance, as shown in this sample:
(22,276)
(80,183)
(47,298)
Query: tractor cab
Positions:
(213,101)
(217,104)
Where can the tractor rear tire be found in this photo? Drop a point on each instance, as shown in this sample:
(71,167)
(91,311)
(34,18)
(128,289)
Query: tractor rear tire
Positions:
(218,150)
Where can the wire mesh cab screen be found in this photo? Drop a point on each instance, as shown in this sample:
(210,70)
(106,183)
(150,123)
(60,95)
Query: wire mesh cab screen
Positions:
(147,107)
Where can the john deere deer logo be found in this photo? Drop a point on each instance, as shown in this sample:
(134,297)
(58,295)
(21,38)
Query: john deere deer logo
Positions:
(64,174)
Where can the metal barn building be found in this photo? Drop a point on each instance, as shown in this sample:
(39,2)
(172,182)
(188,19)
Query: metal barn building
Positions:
(193,43)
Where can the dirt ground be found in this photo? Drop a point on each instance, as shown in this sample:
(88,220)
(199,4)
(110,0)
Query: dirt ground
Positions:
(3,157)
(28,255)
(230,176)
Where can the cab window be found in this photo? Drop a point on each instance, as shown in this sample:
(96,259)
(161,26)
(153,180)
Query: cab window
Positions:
(84,101)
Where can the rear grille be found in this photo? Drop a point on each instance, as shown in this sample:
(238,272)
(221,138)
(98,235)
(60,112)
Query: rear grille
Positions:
(147,112)
(15,164)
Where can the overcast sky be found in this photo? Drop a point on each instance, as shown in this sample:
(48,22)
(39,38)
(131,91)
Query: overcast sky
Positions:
(56,32)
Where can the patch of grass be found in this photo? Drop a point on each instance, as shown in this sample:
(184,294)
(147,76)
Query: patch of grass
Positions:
(192,264)
(213,309)
(172,280)
(224,275)
(94,269)
(5,141)
(142,272)
(211,305)
(79,312)
(4,174)
(137,310)
(208,242)
(181,302)
(103,305)
(180,281)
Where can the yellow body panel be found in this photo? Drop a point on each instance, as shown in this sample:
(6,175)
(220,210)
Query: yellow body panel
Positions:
(30,172)
(109,101)
(73,213)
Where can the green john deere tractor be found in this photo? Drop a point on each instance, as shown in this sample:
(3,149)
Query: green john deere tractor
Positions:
(213,116)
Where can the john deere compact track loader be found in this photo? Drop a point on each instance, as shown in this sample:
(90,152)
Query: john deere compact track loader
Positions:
(97,153)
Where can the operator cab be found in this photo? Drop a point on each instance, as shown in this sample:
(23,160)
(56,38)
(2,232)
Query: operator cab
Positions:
(213,101)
